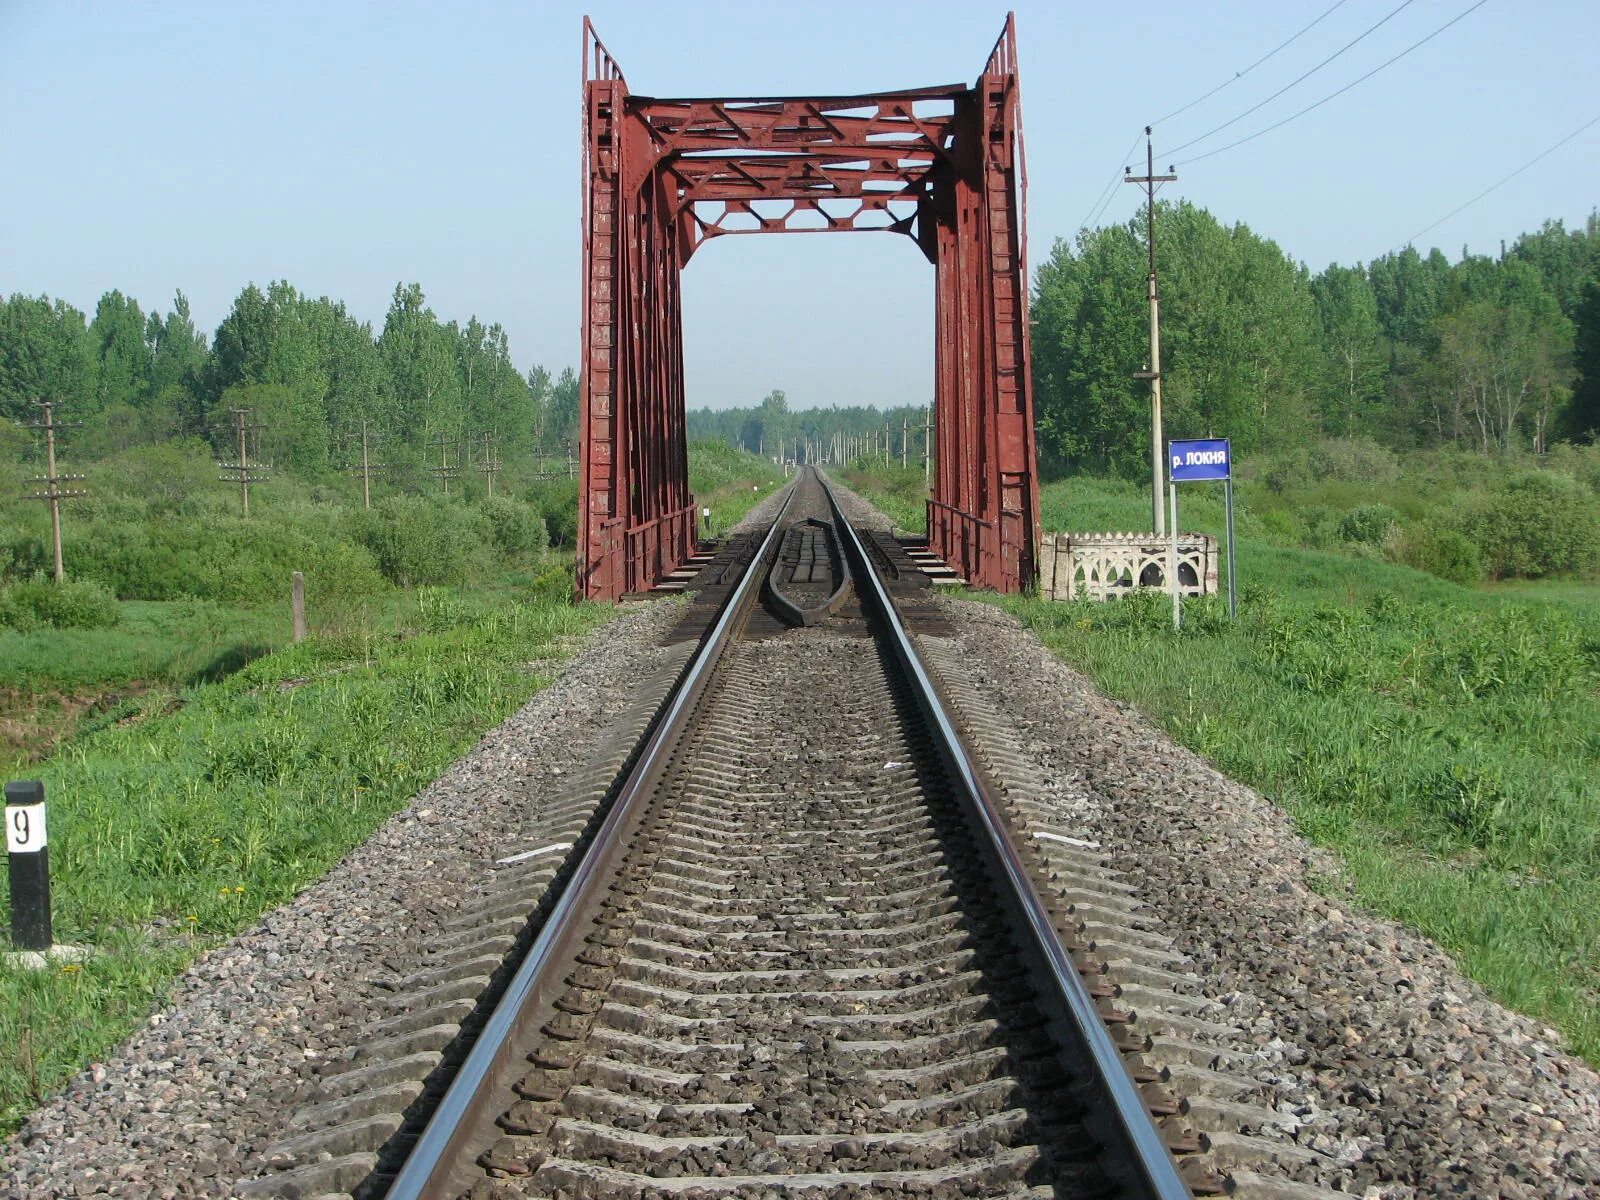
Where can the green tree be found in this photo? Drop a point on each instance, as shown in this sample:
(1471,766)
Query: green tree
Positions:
(1583,418)
(562,423)
(1566,260)
(1088,338)
(178,360)
(122,357)
(420,358)
(45,354)
(1356,365)
(1410,293)
(1506,354)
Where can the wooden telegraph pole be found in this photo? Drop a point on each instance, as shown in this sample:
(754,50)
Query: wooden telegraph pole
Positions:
(490,464)
(244,472)
(445,471)
(367,468)
(53,491)
(1149,179)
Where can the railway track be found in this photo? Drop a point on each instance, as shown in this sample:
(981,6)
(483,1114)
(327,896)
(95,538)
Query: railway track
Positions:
(792,937)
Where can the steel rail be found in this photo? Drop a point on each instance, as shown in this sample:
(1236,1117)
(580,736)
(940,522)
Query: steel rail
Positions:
(426,1169)
(1130,1118)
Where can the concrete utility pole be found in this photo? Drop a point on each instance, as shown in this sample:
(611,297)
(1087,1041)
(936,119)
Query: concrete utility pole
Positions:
(244,472)
(1149,179)
(53,491)
(905,436)
(927,443)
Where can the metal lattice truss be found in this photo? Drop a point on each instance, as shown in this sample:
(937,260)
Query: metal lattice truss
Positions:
(942,165)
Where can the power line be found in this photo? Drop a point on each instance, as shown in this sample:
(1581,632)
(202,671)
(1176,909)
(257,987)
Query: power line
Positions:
(1238,75)
(1103,200)
(1253,108)
(1335,95)
(1595,120)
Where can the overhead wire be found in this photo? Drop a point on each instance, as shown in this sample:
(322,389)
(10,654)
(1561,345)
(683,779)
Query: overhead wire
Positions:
(1405,4)
(1103,200)
(1238,75)
(1505,179)
(1333,95)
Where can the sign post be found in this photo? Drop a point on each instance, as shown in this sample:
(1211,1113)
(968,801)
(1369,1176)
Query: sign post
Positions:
(28,857)
(1193,461)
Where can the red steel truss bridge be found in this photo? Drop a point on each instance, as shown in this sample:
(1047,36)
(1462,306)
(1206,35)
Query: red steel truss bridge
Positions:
(941,165)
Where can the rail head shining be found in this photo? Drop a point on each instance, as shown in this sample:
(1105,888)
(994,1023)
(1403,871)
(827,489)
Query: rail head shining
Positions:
(1157,1169)
(425,1172)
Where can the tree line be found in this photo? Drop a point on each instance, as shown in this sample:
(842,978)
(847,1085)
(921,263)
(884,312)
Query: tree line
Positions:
(771,426)
(1490,352)
(310,371)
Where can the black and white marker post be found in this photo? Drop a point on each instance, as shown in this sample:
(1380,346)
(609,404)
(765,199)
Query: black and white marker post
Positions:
(28,854)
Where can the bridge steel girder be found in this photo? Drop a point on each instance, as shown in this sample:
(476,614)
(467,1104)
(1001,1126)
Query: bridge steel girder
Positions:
(664,176)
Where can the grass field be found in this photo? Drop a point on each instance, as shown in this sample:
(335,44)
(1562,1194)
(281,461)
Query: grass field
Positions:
(1444,740)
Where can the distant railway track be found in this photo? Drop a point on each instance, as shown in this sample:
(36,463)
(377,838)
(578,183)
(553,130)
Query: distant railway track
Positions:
(793,941)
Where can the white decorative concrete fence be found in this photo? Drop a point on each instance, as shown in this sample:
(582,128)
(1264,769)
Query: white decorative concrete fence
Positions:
(1103,566)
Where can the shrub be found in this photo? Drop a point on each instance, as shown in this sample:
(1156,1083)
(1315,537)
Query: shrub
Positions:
(1443,552)
(514,527)
(1352,460)
(1580,462)
(1369,524)
(74,604)
(417,541)
(1534,524)
(223,557)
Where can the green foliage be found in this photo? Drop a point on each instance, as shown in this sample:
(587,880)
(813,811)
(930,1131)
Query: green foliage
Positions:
(729,482)
(1369,524)
(515,529)
(207,552)
(72,604)
(1441,551)
(1239,327)
(1537,523)
(1409,350)
(418,541)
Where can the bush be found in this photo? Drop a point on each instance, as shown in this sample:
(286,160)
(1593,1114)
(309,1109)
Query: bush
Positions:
(222,557)
(1351,460)
(1369,524)
(74,604)
(515,528)
(1442,552)
(417,541)
(1534,524)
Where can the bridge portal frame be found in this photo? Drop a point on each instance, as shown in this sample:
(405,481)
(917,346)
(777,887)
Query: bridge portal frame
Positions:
(942,165)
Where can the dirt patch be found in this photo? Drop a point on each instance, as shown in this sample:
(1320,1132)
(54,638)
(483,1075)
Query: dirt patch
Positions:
(33,721)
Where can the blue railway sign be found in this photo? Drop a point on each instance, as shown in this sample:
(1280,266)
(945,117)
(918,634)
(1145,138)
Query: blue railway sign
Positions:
(1200,458)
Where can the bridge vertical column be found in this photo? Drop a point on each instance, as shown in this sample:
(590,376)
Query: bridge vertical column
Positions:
(983,514)
(1010,459)
(601,499)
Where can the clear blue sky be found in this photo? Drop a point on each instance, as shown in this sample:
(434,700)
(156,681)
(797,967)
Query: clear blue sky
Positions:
(345,146)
